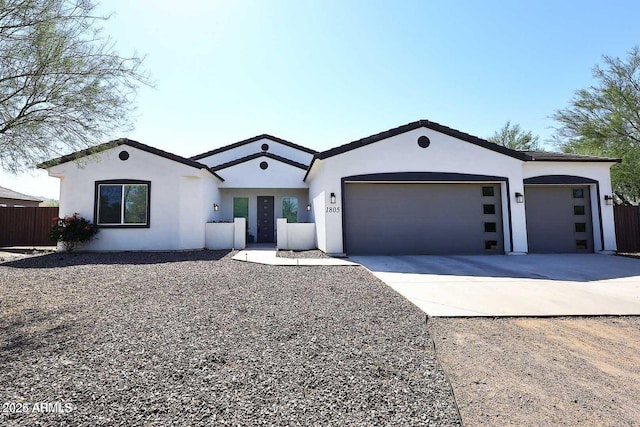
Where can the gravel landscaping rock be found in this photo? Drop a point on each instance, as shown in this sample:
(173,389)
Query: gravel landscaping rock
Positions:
(195,338)
(542,372)
(302,254)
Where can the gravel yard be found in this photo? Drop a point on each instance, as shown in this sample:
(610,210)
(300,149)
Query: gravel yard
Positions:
(542,372)
(302,254)
(195,338)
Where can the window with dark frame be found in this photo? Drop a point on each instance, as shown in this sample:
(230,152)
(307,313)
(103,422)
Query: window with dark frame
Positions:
(290,209)
(581,244)
(241,208)
(578,193)
(580,227)
(578,210)
(122,204)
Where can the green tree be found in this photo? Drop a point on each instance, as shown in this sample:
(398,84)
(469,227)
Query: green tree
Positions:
(512,136)
(63,86)
(604,120)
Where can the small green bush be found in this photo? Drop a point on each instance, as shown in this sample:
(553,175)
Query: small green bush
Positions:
(72,231)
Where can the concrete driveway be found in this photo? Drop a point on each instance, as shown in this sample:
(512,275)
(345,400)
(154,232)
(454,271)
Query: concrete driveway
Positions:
(531,285)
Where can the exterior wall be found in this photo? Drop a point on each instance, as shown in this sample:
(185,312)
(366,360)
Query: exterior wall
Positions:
(9,203)
(598,171)
(256,147)
(401,153)
(178,211)
(296,237)
(226,203)
(249,175)
(226,235)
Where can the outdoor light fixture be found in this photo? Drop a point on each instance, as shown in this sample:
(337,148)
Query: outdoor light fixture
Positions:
(309,207)
(333,198)
(519,198)
(216,208)
(608,199)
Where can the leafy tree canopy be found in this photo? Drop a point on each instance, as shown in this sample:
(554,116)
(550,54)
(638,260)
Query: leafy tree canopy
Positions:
(63,87)
(604,120)
(512,136)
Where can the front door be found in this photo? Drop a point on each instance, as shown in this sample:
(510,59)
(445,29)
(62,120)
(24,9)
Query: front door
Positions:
(265,219)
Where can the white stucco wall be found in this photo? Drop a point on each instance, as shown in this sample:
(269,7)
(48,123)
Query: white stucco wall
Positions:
(401,153)
(227,195)
(249,175)
(178,205)
(598,171)
(255,147)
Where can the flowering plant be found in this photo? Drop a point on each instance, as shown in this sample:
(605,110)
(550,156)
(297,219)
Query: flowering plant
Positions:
(72,230)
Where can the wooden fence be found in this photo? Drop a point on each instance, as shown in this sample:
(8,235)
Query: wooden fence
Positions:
(30,227)
(26,226)
(627,220)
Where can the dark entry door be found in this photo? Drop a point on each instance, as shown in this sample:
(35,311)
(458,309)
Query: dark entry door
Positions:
(265,219)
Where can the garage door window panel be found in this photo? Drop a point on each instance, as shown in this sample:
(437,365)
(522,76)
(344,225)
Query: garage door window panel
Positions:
(489,209)
(488,191)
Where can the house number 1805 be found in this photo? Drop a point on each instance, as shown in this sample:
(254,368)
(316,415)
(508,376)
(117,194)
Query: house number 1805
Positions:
(333,209)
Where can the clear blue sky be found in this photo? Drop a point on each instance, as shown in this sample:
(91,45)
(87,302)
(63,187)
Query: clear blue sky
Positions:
(324,73)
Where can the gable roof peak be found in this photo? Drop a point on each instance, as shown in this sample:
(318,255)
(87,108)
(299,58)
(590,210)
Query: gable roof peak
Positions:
(249,141)
(124,141)
(423,123)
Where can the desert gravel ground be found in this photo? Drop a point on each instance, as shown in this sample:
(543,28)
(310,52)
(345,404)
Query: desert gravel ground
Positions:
(302,254)
(196,338)
(542,372)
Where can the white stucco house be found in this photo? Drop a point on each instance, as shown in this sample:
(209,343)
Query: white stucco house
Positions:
(421,188)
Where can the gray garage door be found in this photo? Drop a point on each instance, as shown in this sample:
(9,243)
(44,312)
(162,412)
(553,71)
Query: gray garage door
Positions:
(558,219)
(422,218)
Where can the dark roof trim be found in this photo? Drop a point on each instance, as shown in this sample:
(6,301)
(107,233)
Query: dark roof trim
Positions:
(250,140)
(422,177)
(558,179)
(258,155)
(131,143)
(568,157)
(425,124)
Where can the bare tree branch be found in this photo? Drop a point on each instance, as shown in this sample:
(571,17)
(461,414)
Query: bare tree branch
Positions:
(63,85)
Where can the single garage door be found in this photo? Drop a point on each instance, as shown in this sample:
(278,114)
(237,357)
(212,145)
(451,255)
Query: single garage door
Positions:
(422,218)
(558,219)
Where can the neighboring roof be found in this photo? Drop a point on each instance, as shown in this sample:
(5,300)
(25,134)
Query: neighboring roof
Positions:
(250,140)
(255,156)
(7,193)
(130,143)
(548,156)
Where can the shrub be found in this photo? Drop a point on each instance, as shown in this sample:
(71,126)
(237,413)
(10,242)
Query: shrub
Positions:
(72,231)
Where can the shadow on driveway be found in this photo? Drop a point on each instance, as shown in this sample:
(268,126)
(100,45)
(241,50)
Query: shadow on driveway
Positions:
(53,260)
(562,267)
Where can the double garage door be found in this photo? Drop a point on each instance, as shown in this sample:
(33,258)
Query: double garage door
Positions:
(423,218)
(461,218)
